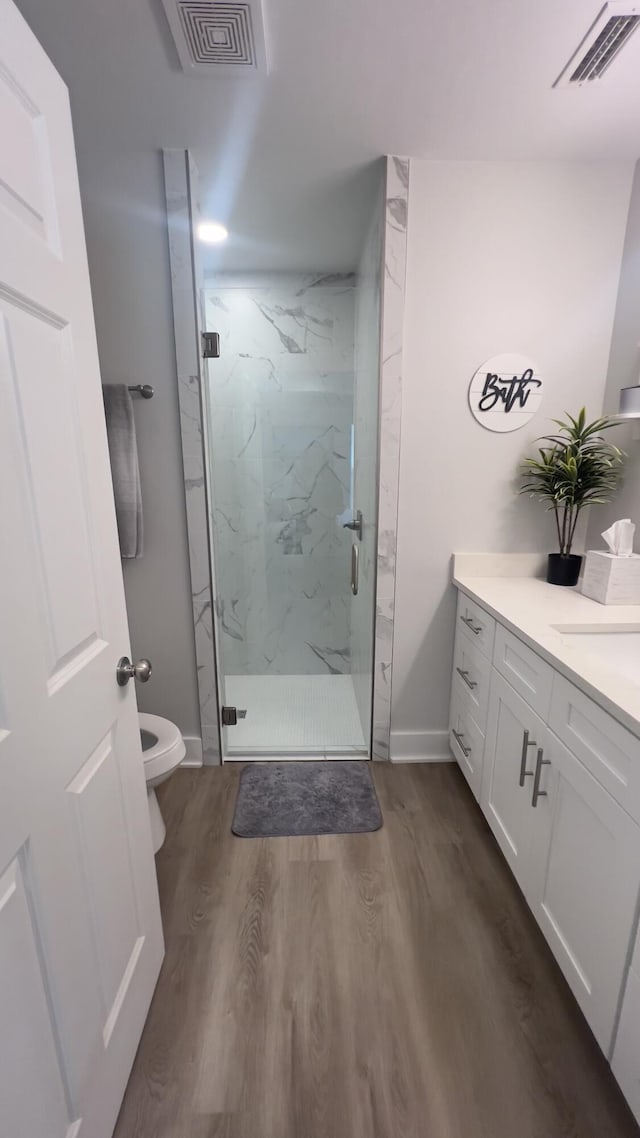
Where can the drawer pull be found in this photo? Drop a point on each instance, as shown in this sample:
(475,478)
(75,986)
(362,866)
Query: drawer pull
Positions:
(526,742)
(465,676)
(475,629)
(466,751)
(540,763)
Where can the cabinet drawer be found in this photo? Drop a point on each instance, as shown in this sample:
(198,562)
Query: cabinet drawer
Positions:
(465,737)
(477,623)
(626,1054)
(606,748)
(473,670)
(527,673)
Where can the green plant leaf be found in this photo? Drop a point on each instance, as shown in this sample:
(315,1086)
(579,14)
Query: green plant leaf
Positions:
(577,467)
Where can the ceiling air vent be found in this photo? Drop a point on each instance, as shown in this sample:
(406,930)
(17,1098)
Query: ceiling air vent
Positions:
(612,29)
(215,38)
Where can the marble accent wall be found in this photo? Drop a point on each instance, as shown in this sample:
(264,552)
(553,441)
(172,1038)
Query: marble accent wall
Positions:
(180,177)
(367,382)
(393,298)
(279,402)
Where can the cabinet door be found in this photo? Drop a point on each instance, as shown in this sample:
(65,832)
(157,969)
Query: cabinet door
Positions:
(586,879)
(626,1056)
(514,734)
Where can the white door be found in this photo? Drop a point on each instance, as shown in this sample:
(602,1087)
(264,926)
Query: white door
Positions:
(586,879)
(80,932)
(514,734)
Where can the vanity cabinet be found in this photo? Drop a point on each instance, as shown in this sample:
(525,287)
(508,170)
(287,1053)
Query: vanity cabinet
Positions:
(557,785)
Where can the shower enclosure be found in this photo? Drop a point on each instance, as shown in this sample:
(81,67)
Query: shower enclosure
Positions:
(291,410)
(285,437)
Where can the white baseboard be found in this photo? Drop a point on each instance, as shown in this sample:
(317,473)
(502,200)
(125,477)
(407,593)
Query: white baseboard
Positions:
(193,757)
(406,747)
(420,747)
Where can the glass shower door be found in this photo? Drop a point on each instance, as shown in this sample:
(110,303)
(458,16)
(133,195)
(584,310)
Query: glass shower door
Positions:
(282,473)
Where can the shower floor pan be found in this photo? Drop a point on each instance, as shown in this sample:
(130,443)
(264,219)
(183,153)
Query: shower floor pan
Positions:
(295,717)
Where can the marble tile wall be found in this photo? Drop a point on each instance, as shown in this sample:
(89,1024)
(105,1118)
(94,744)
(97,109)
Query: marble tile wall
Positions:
(393,294)
(279,403)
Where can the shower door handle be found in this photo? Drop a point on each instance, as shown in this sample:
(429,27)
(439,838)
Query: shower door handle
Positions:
(355,565)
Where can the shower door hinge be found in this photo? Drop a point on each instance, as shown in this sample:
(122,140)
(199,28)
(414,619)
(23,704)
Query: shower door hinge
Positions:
(355,524)
(231,715)
(210,345)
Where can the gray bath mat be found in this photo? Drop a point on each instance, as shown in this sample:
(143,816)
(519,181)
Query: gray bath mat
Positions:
(278,800)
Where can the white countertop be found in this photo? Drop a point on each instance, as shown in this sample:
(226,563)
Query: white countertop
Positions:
(531,608)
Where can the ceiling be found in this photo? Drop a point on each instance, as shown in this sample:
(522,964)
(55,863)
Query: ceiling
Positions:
(286,160)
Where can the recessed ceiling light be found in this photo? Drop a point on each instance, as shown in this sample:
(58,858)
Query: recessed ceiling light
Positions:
(212,232)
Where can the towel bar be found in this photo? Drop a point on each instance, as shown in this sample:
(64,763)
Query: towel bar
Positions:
(143,389)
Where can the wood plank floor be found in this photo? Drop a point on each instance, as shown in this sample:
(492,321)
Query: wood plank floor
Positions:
(368,986)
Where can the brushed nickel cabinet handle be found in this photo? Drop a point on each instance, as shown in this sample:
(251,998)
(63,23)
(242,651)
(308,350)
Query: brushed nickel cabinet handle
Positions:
(526,743)
(540,763)
(468,620)
(465,676)
(458,736)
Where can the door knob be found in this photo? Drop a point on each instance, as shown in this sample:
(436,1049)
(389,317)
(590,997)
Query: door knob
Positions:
(126,671)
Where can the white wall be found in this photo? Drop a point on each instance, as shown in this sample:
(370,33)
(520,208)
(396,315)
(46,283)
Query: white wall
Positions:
(126,229)
(501,257)
(624,371)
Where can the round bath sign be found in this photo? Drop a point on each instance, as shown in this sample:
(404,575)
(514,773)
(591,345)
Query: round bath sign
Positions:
(505,392)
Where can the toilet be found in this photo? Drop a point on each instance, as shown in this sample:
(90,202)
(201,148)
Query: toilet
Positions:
(163,750)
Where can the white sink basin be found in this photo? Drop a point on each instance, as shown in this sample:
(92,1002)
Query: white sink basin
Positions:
(617,647)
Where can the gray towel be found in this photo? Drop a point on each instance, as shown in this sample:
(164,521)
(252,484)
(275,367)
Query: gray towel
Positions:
(125,472)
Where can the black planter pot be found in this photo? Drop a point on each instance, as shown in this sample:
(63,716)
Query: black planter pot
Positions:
(563,570)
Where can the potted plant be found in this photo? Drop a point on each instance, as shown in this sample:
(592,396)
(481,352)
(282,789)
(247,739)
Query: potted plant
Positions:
(577,468)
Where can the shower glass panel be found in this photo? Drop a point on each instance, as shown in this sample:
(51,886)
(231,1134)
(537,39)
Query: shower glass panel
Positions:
(285,468)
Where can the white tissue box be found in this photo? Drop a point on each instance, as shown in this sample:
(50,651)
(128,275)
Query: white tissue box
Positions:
(611,579)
